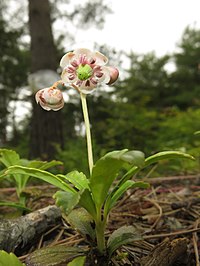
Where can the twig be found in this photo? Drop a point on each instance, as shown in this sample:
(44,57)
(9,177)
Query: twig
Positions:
(183,232)
(58,237)
(187,204)
(159,215)
(121,202)
(194,240)
(169,179)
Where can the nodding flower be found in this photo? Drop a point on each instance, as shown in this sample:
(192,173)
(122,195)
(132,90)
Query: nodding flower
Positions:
(85,70)
(51,98)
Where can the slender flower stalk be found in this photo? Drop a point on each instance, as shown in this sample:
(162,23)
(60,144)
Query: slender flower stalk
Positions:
(100,224)
(88,132)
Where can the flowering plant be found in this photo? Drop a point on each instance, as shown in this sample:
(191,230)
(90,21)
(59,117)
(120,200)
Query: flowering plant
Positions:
(94,195)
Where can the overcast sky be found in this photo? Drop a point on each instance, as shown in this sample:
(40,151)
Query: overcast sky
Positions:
(145,25)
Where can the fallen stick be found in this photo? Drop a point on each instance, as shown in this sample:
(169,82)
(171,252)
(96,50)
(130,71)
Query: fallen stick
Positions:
(16,234)
(170,179)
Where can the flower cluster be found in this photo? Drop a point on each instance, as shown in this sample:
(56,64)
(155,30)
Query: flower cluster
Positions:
(82,69)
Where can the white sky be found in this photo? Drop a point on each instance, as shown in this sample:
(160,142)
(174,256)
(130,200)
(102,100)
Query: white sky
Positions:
(145,25)
(138,25)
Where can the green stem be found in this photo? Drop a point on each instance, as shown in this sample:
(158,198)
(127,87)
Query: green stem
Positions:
(100,224)
(88,133)
(100,233)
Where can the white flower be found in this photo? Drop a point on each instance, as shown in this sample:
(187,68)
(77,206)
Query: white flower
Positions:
(85,70)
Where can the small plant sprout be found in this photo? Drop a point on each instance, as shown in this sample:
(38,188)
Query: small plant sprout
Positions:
(9,158)
(110,177)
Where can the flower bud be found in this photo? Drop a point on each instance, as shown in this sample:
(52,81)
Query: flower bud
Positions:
(50,98)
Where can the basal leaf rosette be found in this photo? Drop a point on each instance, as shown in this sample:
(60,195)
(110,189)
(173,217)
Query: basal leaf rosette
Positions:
(85,70)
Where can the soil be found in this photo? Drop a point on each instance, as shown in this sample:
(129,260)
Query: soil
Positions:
(168,214)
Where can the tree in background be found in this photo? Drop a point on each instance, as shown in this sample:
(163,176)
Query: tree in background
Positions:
(185,81)
(14,60)
(147,81)
(46,127)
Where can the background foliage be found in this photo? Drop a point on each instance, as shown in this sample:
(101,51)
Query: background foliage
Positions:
(151,108)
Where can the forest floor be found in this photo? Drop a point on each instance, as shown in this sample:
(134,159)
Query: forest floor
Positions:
(168,214)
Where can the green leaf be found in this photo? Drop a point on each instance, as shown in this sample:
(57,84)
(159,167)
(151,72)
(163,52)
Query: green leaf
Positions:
(79,261)
(167,155)
(87,202)
(120,191)
(78,179)
(43,165)
(130,174)
(123,235)
(40,174)
(9,259)
(55,255)
(22,180)
(9,157)
(106,170)
(82,221)
(153,159)
(14,205)
(66,200)
(134,158)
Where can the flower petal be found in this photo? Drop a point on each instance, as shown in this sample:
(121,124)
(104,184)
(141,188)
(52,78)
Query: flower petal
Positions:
(45,107)
(101,59)
(66,59)
(87,88)
(58,106)
(82,51)
(53,107)
(67,78)
(114,74)
(106,75)
(37,96)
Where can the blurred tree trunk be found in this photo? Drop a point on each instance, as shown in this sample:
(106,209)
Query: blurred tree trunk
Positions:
(3,117)
(46,126)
